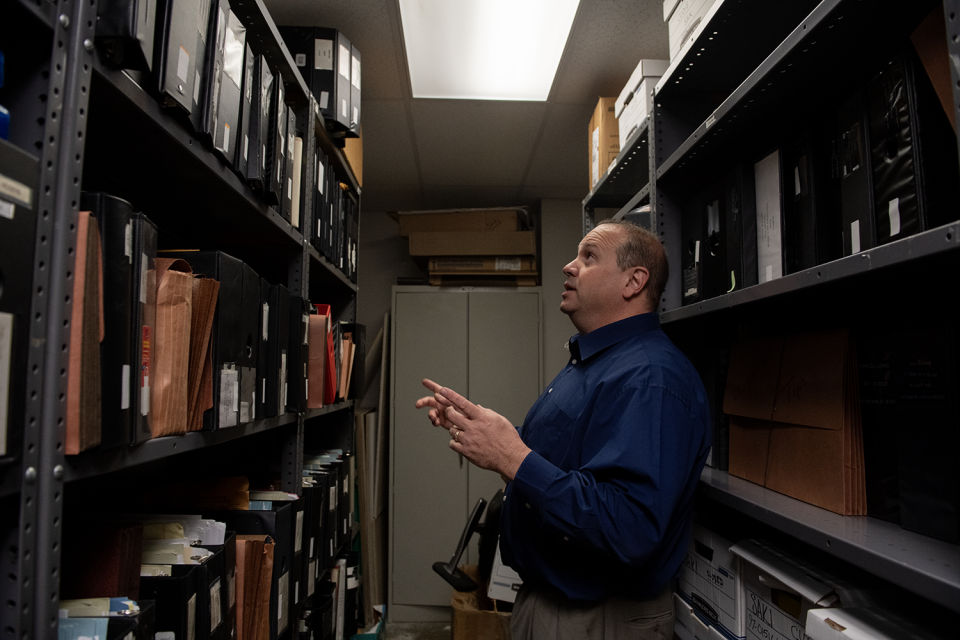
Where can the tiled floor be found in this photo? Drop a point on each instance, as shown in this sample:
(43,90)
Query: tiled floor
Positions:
(418,631)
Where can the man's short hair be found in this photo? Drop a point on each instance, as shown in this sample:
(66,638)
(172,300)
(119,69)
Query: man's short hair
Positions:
(641,248)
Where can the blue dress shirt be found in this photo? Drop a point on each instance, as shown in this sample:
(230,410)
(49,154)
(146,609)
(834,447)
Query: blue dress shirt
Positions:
(604,502)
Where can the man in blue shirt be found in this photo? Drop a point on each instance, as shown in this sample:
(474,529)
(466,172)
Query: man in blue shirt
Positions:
(598,508)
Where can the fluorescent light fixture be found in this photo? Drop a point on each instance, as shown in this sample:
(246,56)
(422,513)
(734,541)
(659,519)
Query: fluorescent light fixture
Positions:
(485,49)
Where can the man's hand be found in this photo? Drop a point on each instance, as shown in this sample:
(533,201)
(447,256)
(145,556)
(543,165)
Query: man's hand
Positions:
(484,437)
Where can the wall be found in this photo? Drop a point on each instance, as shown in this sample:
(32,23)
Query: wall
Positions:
(561,224)
(384,258)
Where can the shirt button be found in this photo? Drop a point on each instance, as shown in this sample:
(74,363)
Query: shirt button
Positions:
(574,361)
(549,390)
(528,505)
(566,539)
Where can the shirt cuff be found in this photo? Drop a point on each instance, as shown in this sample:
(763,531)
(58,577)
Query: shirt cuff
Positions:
(534,476)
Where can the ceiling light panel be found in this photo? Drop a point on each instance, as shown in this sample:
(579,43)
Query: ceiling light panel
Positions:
(485,49)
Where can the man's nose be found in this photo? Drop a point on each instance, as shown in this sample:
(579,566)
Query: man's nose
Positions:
(570,269)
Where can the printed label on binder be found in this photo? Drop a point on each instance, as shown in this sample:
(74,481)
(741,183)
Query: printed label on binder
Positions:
(145,373)
(183,64)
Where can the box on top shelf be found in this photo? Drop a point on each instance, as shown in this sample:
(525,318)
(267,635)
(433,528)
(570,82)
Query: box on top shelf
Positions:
(633,104)
(684,20)
(472,243)
(503,219)
(604,139)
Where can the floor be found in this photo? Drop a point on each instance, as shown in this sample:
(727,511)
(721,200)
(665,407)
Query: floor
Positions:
(418,631)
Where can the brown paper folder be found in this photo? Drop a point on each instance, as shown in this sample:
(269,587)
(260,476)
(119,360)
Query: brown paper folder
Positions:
(86,332)
(794,414)
(316,369)
(172,347)
(254,579)
(204,304)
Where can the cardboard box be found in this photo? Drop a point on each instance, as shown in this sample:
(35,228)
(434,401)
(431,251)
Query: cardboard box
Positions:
(710,583)
(603,138)
(473,243)
(683,22)
(505,219)
(512,265)
(778,590)
(353,152)
(633,104)
(474,615)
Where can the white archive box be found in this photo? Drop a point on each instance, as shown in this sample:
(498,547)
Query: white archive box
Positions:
(710,583)
(867,624)
(686,618)
(682,23)
(633,104)
(778,590)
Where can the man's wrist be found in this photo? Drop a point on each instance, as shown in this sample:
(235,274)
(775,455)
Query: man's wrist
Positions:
(514,460)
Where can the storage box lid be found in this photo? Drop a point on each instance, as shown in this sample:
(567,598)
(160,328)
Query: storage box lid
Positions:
(786,576)
(645,69)
(669,6)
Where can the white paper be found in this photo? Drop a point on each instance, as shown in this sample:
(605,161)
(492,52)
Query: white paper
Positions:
(344,65)
(183,64)
(893,211)
(355,72)
(6,209)
(124,388)
(324,99)
(323,56)
(128,242)
(226,137)
(769,238)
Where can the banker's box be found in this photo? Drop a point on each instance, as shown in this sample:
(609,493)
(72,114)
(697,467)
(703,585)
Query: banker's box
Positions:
(682,18)
(460,220)
(473,243)
(709,585)
(777,591)
(633,104)
(474,616)
(604,139)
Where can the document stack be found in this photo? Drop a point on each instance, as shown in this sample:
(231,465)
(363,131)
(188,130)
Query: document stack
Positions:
(473,246)
(794,410)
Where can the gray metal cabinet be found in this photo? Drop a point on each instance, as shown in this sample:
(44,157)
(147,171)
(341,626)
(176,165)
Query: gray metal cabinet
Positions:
(484,343)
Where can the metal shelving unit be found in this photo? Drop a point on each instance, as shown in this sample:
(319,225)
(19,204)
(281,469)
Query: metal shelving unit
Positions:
(921,564)
(754,72)
(95,127)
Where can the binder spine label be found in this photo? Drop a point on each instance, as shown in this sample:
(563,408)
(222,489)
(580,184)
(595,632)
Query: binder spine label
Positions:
(128,242)
(145,368)
(855,236)
(191,616)
(323,56)
(215,606)
(893,212)
(183,64)
(124,387)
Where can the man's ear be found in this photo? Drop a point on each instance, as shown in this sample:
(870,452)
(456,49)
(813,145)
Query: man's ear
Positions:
(636,282)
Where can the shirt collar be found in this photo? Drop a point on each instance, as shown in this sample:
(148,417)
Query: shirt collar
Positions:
(584,346)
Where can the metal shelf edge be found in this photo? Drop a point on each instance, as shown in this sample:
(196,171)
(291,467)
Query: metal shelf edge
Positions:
(894,554)
(924,244)
(328,409)
(95,463)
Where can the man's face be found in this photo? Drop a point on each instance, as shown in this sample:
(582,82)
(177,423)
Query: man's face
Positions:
(593,290)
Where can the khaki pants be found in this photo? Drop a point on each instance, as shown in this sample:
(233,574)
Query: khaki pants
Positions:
(544,613)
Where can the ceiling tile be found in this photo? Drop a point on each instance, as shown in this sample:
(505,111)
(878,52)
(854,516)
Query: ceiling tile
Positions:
(475,142)
(391,198)
(608,39)
(388,152)
(560,159)
(450,197)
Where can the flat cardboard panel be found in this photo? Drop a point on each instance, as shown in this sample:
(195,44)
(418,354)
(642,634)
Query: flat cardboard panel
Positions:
(476,243)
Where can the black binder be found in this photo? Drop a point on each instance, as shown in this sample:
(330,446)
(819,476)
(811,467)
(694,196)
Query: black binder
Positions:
(212,596)
(263,340)
(20,171)
(319,199)
(204,115)
(260,143)
(355,90)
(227,132)
(741,229)
(811,199)
(856,178)
(298,354)
(143,323)
(691,248)
(277,369)
(290,128)
(913,152)
(178,60)
(249,337)
(928,441)
(125,30)
(248,93)
(175,597)
(324,58)
(276,147)
(117,365)
(771,226)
